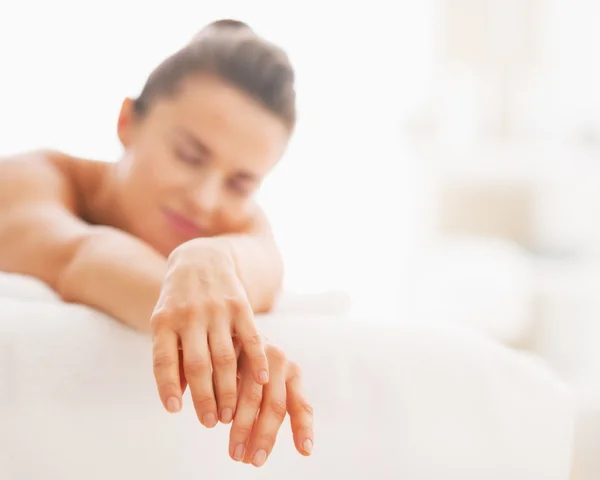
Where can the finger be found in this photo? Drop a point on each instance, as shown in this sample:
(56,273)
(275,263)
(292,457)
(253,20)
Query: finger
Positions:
(224,362)
(272,413)
(197,368)
(301,413)
(251,342)
(248,406)
(165,359)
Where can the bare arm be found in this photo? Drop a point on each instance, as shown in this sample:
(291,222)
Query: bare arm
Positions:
(100,266)
(122,276)
(97,266)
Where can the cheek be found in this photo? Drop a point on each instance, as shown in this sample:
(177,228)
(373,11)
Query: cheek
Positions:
(158,175)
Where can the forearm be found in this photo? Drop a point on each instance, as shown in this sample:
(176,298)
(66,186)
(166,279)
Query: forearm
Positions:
(116,274)
(122,276)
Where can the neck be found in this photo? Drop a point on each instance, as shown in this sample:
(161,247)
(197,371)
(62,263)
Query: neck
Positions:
(104,207)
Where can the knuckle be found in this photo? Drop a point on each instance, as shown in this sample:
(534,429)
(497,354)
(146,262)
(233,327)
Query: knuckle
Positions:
(241,431)
(176,315)
(307,408)
(213,308)
(254,396)
(278,407)
(196,365)
(238,304)
(224,358)
(167,387)
(203,402)
(267,440)
(161,317)
(252,341)
(163,360)
(186,312)
(227,398)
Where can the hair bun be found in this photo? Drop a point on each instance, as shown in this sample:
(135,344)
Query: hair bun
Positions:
(220,26)
(227,23)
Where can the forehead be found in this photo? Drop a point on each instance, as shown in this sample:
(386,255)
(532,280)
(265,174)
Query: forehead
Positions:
(233,126)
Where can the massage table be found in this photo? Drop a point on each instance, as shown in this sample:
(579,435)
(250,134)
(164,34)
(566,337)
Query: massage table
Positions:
(392,401)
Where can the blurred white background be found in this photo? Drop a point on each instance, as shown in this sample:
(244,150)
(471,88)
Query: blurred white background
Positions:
(445,167)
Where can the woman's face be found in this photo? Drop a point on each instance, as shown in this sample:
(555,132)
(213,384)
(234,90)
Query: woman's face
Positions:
(193,163)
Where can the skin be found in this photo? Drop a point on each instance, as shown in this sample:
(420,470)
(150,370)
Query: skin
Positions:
(169,240)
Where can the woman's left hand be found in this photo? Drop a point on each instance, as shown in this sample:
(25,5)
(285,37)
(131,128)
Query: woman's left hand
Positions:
(261,410)
(202,305)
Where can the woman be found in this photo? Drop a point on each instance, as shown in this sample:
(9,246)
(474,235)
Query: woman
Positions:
(169,239)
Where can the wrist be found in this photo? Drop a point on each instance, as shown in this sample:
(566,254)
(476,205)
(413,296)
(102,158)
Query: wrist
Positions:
(209,251)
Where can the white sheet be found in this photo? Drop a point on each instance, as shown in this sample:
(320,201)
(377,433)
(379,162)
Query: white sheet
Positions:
(77,401)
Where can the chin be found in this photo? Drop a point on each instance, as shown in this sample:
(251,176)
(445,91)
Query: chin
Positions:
(158,242)
(166,248)
(155,236)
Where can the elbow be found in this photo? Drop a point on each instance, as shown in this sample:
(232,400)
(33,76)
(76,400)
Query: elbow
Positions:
(66,278)
(71,278)
(66,281)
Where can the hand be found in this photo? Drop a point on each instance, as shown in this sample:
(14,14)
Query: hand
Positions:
(262,409)
(201,306)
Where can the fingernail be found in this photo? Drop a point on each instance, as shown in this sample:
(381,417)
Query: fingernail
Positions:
(238,453)
(226,415)
(307,445)
(260,458)
(263,376)
(173,405)
(209,420)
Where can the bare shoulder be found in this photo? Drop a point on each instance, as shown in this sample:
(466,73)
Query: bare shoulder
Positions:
(49,177)
(34,178)
(40,228)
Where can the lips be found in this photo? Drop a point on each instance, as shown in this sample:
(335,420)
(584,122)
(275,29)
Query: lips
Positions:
(182,225)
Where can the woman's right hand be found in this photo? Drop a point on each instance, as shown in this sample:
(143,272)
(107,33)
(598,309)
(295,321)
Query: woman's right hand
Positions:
(261,410)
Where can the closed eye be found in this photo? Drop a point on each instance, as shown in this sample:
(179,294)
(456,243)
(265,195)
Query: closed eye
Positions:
(241,187)
(190,158)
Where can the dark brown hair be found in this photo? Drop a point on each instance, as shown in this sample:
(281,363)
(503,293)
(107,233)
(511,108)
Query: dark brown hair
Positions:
(233,52)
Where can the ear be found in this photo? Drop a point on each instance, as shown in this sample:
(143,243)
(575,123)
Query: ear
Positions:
(126,122)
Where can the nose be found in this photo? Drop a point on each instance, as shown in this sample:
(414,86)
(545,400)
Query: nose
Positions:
(206,195)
